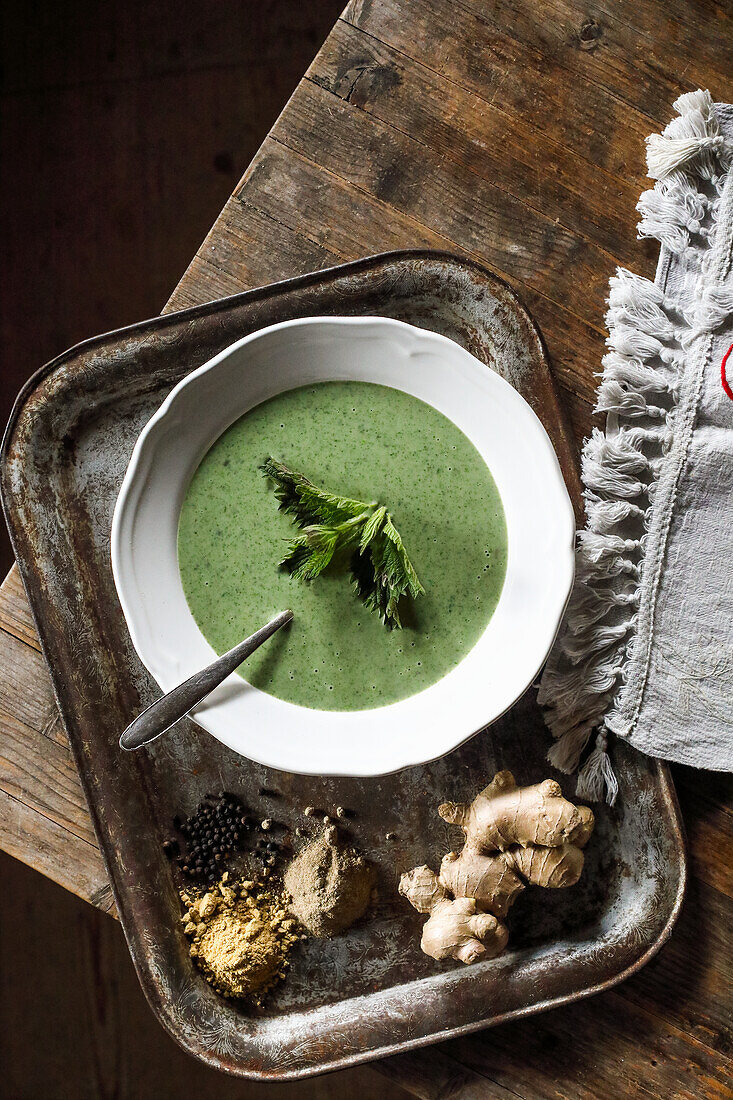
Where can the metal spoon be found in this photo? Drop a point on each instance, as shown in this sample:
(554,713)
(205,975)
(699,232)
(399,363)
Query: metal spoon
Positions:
(181,700)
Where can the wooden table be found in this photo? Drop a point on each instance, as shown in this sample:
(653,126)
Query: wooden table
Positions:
(512,132)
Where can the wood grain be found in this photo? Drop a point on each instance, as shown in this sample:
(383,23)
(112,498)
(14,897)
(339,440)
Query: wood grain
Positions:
(513,133)
(15,613)
(470,49)
(401,91)
(606,1047)
(390,166)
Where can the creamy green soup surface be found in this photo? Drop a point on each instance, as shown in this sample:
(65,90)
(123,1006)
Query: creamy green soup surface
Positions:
(367,442)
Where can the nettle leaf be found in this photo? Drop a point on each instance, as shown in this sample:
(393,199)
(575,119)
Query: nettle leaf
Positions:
(381,571)
(372,527)
(301,499)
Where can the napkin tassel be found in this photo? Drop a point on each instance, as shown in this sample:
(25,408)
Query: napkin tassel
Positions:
(692,142)
(597,775)
(673,213)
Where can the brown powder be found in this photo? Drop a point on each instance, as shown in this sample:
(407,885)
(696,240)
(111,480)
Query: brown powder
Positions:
(330,885)
(240,935)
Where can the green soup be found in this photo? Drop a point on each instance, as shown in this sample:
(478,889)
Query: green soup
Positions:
(366,442)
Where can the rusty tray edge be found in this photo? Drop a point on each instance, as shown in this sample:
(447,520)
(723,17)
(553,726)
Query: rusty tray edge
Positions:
(33,589)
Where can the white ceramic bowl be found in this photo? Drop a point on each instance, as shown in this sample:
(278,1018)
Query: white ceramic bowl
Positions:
(500,424)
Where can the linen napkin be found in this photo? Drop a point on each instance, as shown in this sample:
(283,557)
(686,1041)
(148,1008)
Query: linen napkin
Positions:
(646,648)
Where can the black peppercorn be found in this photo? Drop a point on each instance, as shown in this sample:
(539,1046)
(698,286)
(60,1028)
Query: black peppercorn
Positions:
(213,831)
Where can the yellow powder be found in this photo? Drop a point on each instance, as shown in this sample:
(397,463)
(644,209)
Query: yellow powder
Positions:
(240,935)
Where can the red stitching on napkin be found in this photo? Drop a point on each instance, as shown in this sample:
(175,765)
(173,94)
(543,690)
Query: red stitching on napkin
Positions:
(723,378)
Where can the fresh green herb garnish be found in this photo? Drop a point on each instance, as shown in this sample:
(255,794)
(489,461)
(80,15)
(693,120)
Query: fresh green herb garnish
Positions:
(381,571)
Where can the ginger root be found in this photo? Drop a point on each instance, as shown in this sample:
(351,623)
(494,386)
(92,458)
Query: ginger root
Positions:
(489,877)
(504,814)
(455,929)
(515,836)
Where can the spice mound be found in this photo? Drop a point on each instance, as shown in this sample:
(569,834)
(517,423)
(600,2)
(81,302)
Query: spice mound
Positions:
(216,829)
(240,935)
(330,885)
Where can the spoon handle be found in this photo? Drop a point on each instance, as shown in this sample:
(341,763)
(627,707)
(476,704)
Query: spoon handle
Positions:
(175,704)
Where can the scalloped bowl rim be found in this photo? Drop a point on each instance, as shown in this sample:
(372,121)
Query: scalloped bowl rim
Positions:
(540,527)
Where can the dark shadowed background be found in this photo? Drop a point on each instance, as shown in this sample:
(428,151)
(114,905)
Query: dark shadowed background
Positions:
(124,129)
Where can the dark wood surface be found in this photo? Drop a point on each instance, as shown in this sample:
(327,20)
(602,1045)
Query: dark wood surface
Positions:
(512,132)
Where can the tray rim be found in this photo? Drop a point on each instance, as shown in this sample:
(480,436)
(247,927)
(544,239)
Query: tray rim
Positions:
(660,769)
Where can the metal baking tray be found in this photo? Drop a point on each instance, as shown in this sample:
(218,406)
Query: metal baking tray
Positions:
(370,992)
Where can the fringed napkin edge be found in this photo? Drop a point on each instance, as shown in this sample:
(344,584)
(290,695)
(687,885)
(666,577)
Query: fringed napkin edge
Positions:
(650,388)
